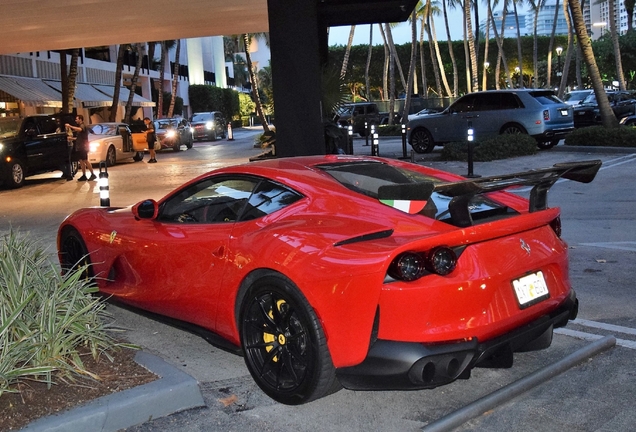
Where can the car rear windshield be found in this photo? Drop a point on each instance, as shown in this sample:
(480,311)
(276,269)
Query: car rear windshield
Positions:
(367,177)
(9,127)
(546,97)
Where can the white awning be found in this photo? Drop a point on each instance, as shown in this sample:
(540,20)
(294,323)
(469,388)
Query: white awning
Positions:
(86,95)
(31,91)
(124,93)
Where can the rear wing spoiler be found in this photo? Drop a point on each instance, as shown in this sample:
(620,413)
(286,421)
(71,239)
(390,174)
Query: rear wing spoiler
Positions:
(541,180)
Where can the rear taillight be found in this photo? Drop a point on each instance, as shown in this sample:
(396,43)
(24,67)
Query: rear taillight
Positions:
(410,266)
(555,224)
(546,115)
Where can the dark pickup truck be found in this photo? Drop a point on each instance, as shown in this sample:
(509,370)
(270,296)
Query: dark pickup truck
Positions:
(32,145)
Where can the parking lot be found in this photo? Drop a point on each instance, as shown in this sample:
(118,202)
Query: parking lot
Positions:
(598,223)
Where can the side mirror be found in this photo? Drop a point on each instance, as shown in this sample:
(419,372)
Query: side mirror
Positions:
(31,132)
(147,209)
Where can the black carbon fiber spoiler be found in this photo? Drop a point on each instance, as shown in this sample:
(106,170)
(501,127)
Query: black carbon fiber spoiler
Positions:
(462,192)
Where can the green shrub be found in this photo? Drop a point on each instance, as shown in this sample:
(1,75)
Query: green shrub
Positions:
(622,136)
(499,147)
(204,98)
(45,317)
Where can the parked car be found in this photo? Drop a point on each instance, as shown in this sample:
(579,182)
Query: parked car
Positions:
(33,145)
(587,113)
(538,113)
(629,121)
(173,133)
(111,143)
(575,97)
(209,125)
(367,272)
(358,115)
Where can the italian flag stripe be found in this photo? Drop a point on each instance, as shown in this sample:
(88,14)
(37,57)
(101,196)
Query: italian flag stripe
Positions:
(407,206)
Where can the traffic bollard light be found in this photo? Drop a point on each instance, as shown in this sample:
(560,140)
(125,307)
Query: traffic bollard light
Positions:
(104,189)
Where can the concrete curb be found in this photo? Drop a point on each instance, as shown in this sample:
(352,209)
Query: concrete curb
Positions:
(174,391)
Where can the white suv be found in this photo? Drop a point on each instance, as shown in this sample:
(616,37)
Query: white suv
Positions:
(538,113)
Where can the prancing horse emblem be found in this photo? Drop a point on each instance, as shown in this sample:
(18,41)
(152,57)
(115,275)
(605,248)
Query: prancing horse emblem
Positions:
(525,246)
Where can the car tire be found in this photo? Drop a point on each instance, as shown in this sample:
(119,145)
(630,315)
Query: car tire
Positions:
(547,145)
(513,129)
(16,174)
(213,136)
(190,143)
(74,254)
(177,146)
(422,141)
(111,156)
(284,346)
(138,157)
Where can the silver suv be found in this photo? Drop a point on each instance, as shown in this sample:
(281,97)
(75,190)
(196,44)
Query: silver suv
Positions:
(538,113)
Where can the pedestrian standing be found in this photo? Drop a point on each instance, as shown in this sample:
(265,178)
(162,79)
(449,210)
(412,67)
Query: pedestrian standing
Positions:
(82,147)
(151,137)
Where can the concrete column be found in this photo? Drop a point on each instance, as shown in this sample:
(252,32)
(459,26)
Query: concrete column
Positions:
(295,41)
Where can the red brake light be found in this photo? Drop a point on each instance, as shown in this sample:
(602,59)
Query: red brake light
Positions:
(410,266)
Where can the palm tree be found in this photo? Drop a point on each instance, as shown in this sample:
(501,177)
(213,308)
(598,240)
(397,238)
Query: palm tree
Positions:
(474,83)
(389,38)
(617,49)
(165,47)
(607,115)
(411,80)
(345,61)
(551,44)
(434,10)
(139,50)
(68,79)
(120,65)
(385,69)
(519,53)
(450,48)
(569,52)
(629,8)
(175,79)
(425,12)
(484,85)
(247,39)
(501,56)
(368,65)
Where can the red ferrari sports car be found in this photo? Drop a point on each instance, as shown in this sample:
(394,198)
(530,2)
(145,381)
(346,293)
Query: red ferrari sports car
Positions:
(331,271)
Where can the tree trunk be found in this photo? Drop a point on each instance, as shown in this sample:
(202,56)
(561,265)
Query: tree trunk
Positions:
(431,48)
(367,81)
(484,77)
(450,51)
(607,115)
(175,79)
(385,69)
(519,53)
(138,49)
(617,49)
(255,95)
(423,61)
(391,73)
(474,82)
(162,62)
(569,52)
(551,44)
(120,64)
(64,82)
(345,61)
(72,79)
(409,84)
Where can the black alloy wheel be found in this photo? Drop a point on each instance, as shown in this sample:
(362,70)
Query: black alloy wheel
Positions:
(74,254)
(422,141)
(284,345)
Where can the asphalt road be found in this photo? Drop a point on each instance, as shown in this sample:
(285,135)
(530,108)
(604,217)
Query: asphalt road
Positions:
(597,395)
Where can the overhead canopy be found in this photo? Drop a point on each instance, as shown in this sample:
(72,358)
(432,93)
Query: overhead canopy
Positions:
(31,91)
(124,94)
(85,94)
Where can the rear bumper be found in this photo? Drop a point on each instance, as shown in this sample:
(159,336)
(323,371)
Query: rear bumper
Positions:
(553,134)
(391,365)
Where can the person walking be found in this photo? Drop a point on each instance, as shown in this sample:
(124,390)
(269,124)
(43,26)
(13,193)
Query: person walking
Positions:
(81,147)
(151,137)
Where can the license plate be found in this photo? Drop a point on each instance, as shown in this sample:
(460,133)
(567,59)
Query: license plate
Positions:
(530,289)
(564,112)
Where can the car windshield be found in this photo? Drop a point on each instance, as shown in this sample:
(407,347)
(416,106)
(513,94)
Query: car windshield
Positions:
(590,99)
(201,117)
(576,96)
(103,129)
(546,97)
(167,124)
(367,177)
(9,127)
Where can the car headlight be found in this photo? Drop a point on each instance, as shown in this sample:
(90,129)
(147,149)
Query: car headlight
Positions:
(191,130)
(1,147)
(209,125)
(170,134)
(93,146)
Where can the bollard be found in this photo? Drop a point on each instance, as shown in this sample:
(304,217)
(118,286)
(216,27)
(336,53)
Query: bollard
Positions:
(366,133)
(230,132)
(350,139)
(104,189)
(412,156)
(375,148)
(470,138)
(404,141)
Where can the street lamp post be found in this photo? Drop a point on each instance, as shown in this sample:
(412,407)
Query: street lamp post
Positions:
(559,51)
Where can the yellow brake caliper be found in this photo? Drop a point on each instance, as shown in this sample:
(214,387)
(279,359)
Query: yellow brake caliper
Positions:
(268,338)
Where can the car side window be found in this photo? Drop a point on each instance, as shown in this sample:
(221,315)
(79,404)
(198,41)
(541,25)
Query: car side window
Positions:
(214,200)
(508,101)
(48,126)
(487,102)
(464,104)
(267,198)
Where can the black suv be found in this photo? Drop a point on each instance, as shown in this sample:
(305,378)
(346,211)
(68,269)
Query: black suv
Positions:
(358,115)
(208,125)
(33,145)
(587,113)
